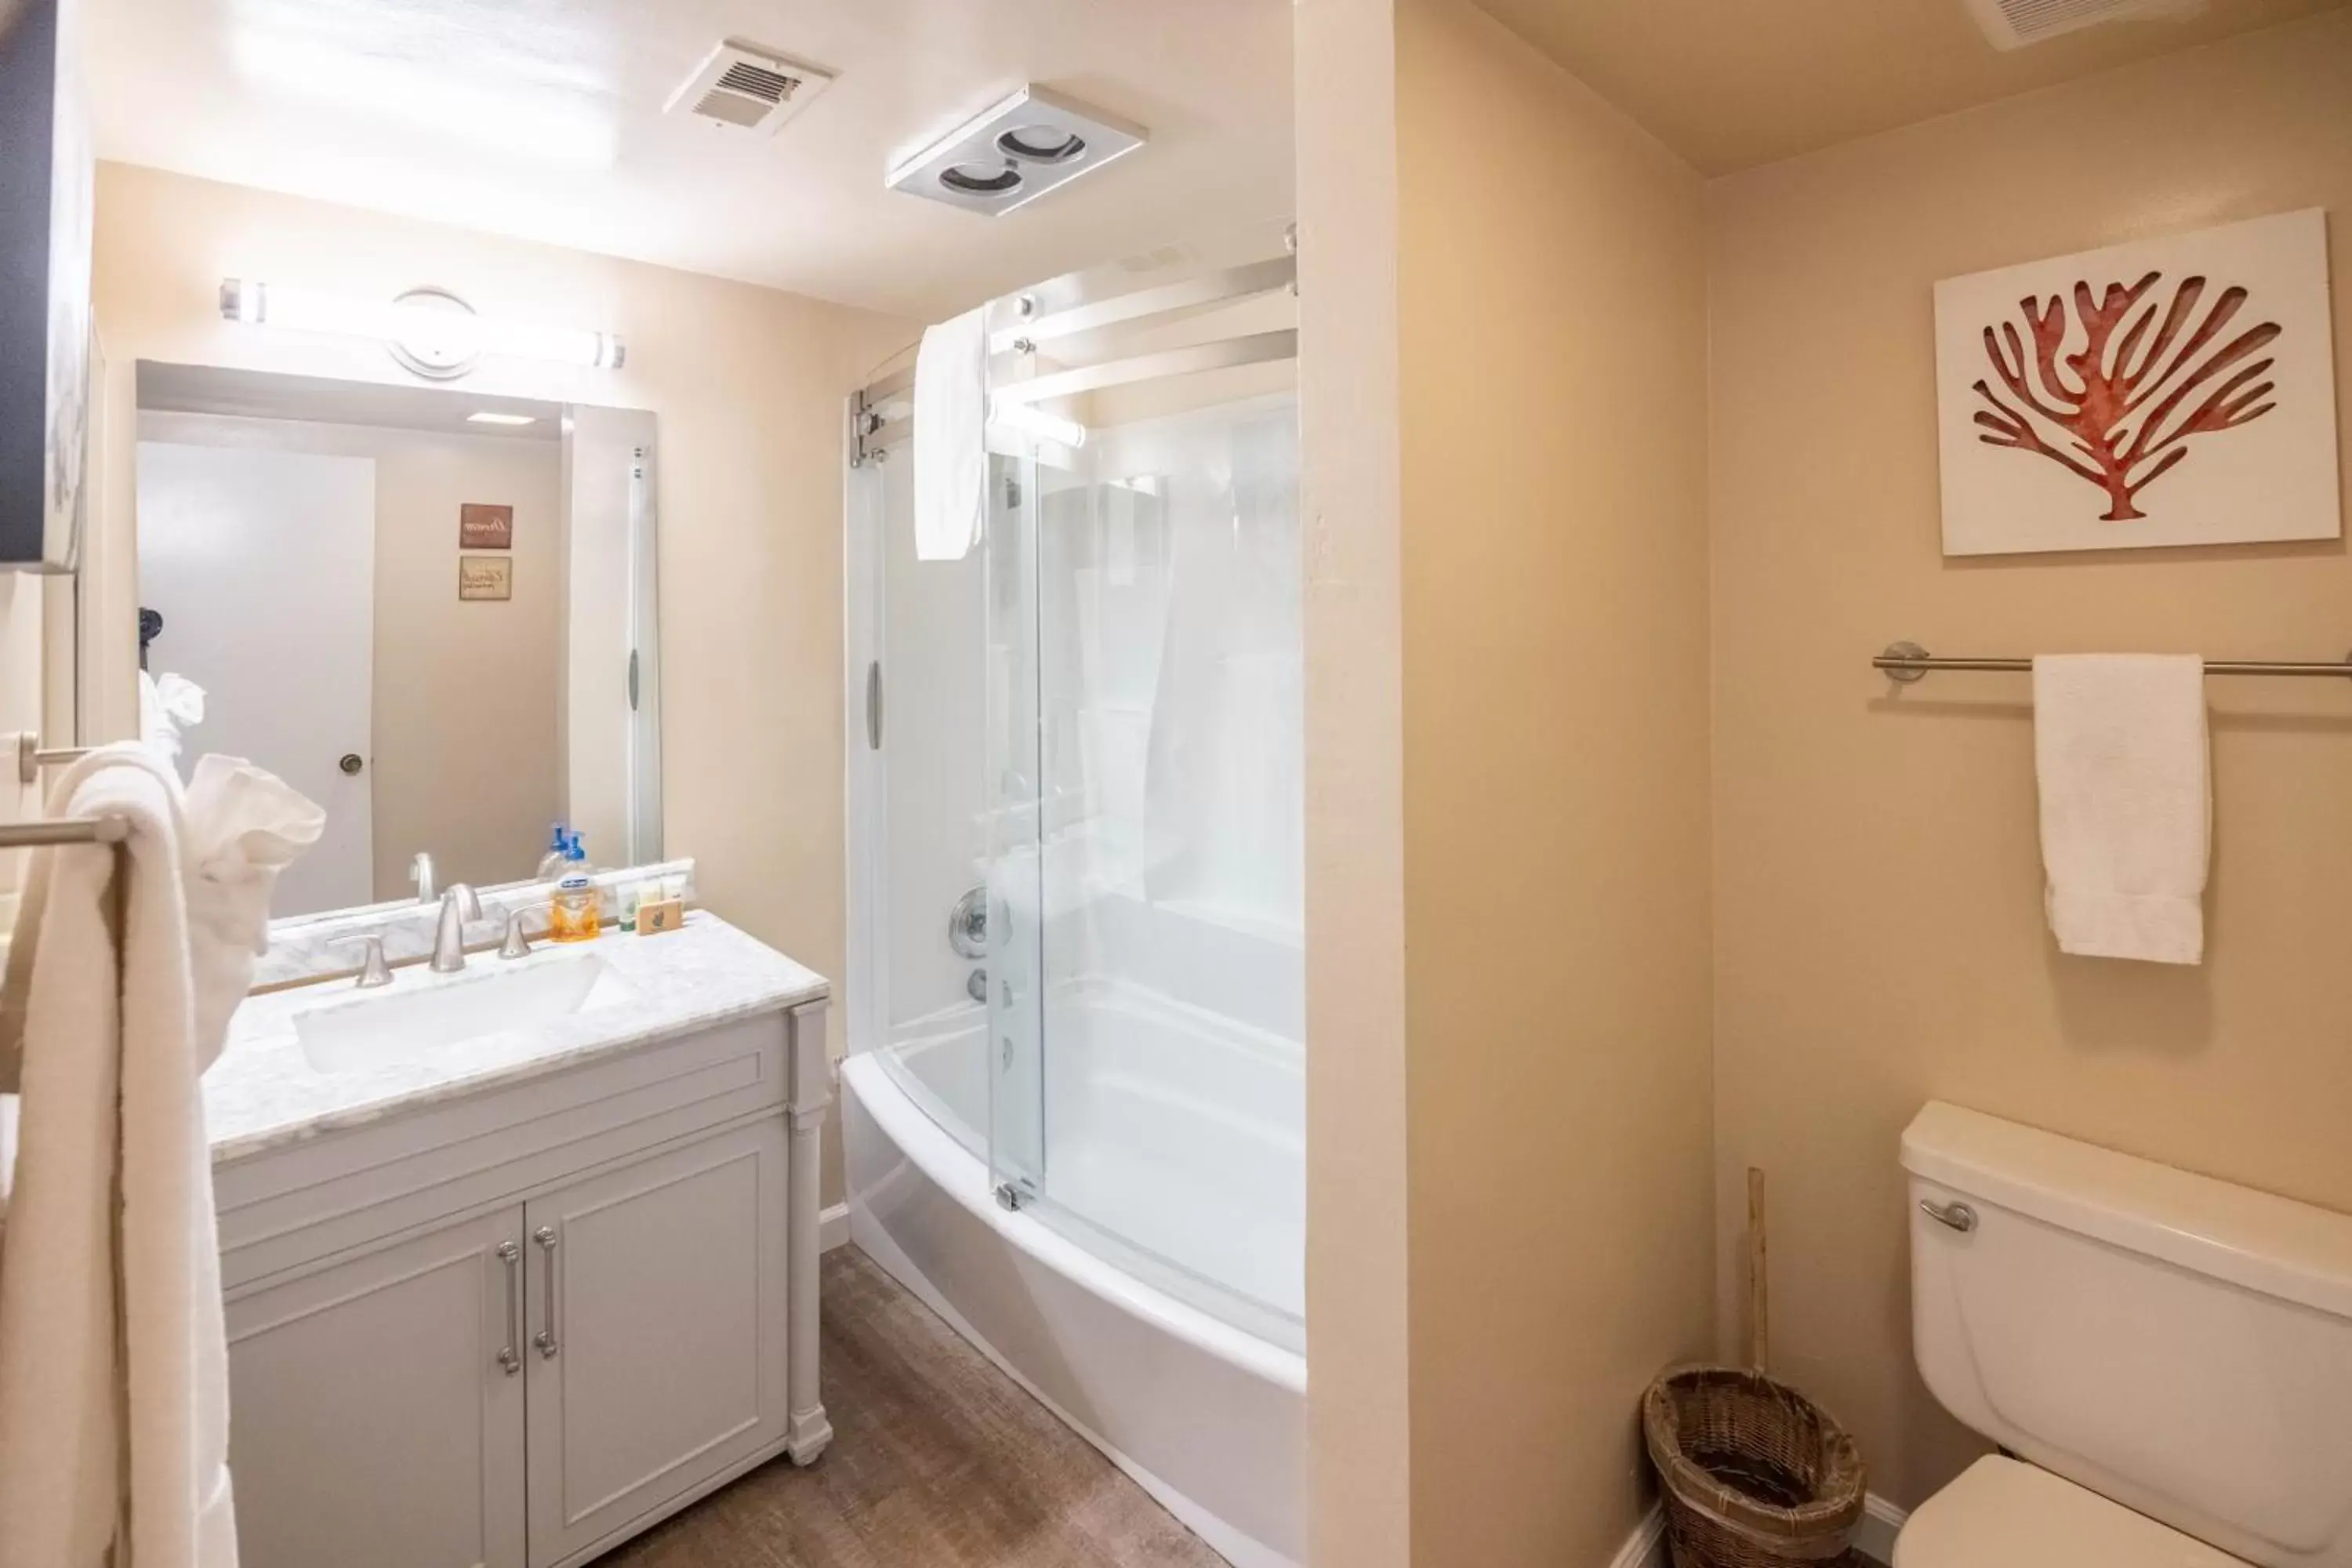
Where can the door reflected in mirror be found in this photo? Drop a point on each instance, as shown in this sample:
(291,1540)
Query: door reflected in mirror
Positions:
(429,610)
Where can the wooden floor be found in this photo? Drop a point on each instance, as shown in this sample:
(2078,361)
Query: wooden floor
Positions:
(938,1460)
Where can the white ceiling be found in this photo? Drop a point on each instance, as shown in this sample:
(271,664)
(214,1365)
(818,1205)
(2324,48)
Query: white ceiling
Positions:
(542,119)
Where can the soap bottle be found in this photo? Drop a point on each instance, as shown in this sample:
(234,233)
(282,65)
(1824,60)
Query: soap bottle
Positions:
(552,864)
(572,914)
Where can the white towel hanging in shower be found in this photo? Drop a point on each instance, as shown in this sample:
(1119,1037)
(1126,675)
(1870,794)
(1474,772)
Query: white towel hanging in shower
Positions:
(950,436)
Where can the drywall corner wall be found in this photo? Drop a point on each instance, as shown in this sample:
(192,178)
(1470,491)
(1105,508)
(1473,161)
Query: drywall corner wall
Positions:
(1360,1478)
(1551,302)
(1879,933)
(21,692)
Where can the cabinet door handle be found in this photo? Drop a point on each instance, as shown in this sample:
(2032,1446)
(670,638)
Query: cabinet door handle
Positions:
(511,1257)
(545,1338)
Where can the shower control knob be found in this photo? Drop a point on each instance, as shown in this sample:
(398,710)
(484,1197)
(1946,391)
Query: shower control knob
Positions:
(968,925)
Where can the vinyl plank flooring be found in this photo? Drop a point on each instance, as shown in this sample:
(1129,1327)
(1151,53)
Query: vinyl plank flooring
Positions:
(938,1460)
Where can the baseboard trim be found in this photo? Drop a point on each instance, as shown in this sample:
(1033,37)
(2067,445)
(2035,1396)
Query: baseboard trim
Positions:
(833,1228)
(1874,1537)
(1647,1547)
(1881,1522)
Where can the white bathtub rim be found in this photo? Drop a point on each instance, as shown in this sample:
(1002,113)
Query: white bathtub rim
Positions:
(1231,1544)
(952,1168)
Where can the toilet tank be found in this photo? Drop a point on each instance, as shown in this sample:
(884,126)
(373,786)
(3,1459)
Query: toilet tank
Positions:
(2178,1344)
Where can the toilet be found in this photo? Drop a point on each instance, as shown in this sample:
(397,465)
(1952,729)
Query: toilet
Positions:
(2165,1360)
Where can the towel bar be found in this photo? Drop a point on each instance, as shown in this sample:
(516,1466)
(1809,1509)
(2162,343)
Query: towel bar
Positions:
(1908,662)
(64,830)
(31,758)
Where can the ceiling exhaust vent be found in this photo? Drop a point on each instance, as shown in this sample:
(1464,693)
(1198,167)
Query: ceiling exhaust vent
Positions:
(1015,151)
(2013,23)
(748,87)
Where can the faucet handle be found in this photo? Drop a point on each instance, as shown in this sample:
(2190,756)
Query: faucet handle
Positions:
(374,970)
(517,941)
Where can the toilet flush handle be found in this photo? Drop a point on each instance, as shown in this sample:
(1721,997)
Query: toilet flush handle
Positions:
(1958,1215)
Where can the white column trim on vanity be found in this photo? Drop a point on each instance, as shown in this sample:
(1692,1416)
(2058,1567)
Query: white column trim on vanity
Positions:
(808,1092)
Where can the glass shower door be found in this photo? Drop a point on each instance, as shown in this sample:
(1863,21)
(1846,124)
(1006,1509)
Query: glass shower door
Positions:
(1145,736)
(1092,739)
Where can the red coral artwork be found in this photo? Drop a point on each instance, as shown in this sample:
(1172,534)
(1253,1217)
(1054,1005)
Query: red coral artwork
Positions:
(2117,411)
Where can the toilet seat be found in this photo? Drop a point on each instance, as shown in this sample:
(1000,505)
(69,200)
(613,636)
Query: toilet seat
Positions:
(2005,1514)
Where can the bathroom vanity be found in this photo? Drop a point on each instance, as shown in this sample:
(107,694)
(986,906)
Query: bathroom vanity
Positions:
(521,1259)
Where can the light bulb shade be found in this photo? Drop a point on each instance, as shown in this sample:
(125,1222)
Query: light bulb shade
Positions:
(431,330)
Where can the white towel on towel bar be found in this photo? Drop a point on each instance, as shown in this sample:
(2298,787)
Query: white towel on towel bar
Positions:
(2121,755)
(113,1359)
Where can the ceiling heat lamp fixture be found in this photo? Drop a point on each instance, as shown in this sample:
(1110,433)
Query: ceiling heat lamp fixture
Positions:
(1015,151)
(430,332)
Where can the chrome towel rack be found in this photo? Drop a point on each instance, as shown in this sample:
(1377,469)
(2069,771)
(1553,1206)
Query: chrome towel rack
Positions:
(1908,662)
(64,830)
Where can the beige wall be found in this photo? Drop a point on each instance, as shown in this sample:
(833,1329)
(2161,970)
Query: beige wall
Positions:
(1503,379)
(463,760)
(1551,302)
(1359,1462)
(746,385)
(1879,934)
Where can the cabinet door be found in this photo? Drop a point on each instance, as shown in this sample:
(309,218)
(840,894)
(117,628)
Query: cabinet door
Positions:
(375,1420)
(657,1315)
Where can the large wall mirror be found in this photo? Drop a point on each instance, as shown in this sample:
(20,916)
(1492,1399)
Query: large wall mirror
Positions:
(429,610)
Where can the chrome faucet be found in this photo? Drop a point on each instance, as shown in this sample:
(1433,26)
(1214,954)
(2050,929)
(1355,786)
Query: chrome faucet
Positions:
(459,903)
(420,871)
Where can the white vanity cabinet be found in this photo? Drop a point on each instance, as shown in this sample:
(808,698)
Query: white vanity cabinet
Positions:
(657,1356)
(514,1326)
(371,1424)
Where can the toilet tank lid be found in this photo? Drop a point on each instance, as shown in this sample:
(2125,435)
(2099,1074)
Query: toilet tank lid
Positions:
(2293,1251)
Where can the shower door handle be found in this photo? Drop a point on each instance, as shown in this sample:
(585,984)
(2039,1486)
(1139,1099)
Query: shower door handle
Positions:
(874,705)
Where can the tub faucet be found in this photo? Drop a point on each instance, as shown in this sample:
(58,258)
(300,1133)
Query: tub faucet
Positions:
(459,903)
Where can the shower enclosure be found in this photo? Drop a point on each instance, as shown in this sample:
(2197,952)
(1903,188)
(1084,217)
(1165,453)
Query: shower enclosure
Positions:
(1075,1108)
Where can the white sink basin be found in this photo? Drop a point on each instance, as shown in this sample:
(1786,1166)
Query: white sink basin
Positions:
(412,1017)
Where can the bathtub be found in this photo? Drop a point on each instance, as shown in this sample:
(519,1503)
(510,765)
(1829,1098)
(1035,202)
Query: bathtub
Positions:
(1173,1169)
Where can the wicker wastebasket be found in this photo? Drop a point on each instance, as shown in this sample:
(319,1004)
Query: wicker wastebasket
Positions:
(1754,1474)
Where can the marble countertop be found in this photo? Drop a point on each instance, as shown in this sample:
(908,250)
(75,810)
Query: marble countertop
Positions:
(263,1093)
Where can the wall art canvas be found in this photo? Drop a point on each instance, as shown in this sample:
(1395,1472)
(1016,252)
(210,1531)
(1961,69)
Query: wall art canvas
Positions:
(2167,392)
(485,577)
(481,526)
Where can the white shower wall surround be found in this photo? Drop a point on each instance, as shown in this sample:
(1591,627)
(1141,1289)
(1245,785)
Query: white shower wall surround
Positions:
(1085,1146)
(1169,623)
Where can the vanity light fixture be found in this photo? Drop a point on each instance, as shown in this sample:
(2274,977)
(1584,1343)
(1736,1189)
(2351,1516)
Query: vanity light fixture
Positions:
(431,332)
(492,417)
